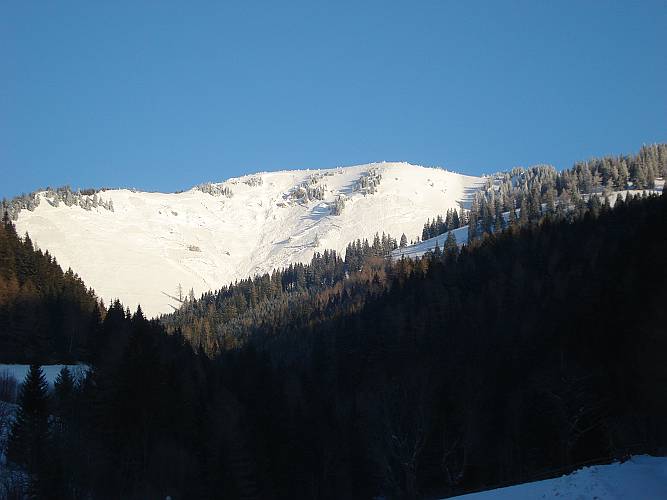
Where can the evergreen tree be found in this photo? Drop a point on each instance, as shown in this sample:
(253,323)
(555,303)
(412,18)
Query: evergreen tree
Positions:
(640,179)
(534,205)
(404,241)
(473,214)
(623,175)
(436,251)
(551,201)
(65,437)
(450,244)
(28,444)
(427,230)
(64,392)
(619,200)
(523,216)
(512,218)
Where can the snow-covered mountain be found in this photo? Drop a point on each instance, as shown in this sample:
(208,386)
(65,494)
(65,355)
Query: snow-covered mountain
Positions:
(144,247)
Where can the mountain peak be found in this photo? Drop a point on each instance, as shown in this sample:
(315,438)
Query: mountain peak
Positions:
(149,245)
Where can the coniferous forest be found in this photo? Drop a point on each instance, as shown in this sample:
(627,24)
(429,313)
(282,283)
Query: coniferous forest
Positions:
(45,314)
(534,348)
(333,250)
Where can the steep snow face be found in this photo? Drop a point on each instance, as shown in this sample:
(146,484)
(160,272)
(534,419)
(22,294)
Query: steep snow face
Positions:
(153,242)
(642,477)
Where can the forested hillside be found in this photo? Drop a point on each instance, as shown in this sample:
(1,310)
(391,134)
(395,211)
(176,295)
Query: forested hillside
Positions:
(530,351)
(525,353)
(303,294)
(45,314)
(527,193)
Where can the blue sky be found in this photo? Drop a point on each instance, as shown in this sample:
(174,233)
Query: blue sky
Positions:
(162,95)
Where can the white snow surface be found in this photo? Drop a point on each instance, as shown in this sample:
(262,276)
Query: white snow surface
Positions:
(639,478)
(419,249)
(152,242)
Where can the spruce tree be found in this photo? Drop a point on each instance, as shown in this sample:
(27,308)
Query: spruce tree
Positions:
(28,439)
(64,393)
(436,251)
(523,215)
(450,244)
(619,200)
(513,218)
(426,231)
(456,220)
(551,201)
(472,220)
(623,175)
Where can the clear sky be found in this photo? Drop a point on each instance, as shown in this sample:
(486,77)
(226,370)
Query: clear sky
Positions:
(164,95)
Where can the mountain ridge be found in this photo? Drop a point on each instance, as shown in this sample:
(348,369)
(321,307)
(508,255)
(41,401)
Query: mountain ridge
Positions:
(152,248)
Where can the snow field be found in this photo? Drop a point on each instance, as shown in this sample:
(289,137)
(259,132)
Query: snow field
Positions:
(153,242)
(639,478)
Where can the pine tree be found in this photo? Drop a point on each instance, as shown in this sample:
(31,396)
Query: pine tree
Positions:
(513,218)
(523,216)
(404,241)
(640,180)
(28,440)
(436,251)
(623,175)
(450,244)
(64,392)
(426,230)
(551,201)
(449,220)
(472,219)
(534,205)
(456,220)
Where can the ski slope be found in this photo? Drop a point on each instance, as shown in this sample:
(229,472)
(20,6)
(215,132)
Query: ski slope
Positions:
(640,478)
(154,244)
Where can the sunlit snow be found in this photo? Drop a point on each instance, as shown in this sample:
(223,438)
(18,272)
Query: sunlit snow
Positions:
(152,242)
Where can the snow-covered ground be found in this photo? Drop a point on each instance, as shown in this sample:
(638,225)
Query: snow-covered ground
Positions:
(640,478)
(152,242)
(419,249)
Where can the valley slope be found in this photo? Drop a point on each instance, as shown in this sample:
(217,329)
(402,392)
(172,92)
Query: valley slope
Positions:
(153,245)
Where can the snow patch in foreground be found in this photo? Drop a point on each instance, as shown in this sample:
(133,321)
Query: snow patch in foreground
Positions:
(641,478)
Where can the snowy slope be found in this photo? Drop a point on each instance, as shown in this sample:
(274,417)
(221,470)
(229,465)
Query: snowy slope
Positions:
(152,242)
(419,249)
(461,234)
(640,478)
